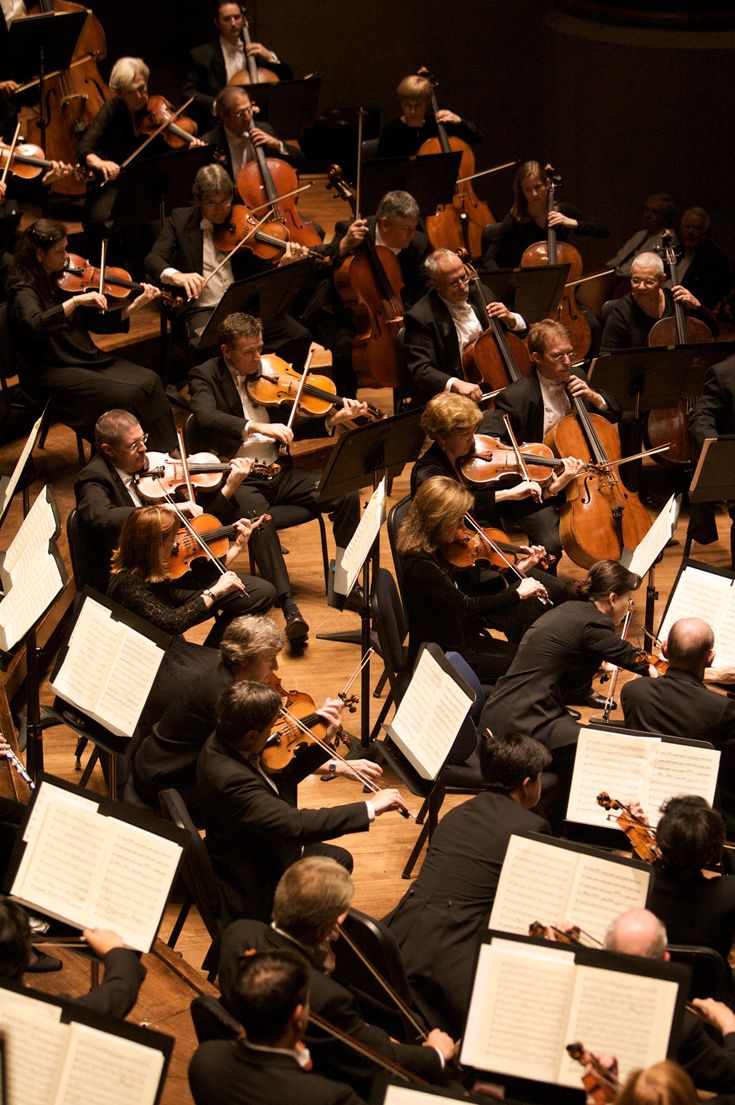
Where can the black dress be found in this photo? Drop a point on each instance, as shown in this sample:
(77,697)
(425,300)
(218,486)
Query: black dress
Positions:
(512,237)
(397,139)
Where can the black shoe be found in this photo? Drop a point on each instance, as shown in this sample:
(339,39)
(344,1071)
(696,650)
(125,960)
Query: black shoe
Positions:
(356,599)
(42,964)
(598,701)
(297,629)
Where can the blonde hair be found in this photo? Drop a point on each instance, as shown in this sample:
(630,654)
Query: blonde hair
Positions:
(447,413)
(439,502)
(664,1083)
(145,543)
(414,87)
(125,71)
(310,896)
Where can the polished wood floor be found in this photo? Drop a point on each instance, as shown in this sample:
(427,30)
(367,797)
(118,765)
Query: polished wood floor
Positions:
(322,671)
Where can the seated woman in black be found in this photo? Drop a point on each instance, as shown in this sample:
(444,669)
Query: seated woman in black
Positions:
(56,355)
(696,909)
(403,137)
(437,606)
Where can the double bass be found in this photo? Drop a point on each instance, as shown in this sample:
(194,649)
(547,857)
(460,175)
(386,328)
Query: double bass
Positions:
(553,252)
(459,226)
(669,424)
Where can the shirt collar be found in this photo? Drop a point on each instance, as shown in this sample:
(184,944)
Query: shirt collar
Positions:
(300,1054)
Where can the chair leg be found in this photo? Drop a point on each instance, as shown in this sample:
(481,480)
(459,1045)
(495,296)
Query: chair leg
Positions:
(381,717)
(89,768)
(325,551)
(416,852)
(179,922)
(380,685)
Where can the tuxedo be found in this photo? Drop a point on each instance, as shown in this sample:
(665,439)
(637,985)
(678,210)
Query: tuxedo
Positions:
(206,75)
(217,137)
(713,415)
(708,274)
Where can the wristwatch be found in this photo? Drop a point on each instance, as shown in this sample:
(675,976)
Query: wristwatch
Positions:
(332,767)
(209,594)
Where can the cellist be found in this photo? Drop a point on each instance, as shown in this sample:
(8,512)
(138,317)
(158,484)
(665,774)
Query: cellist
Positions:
(235,136)
(404,136)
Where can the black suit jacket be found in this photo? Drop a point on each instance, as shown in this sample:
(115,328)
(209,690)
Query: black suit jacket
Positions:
(708,275)
(337,1005)
(432,348)
(523,403)
(206,75)
(103,504)
(438,921)
(228,1072)
(218,138)
(253,832)
(713,413)
(118,992)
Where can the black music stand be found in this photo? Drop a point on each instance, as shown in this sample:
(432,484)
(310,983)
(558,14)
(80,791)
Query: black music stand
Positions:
(289,106)
(264,295)
(534,293)
(430,180)
(714,478)
(361,458)
(150,187)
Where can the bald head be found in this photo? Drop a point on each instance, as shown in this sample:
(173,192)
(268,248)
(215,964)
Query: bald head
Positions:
(690,645)
(637,932)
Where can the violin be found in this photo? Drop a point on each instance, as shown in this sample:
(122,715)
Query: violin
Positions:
(252,73)
(271,181)
(670,424)
(601,1085)
(460,225)
(494,546)
(164,475)
(178,130)
(80,275)
(28,161)
(287,736)
(266,239)
(641,836)
(369,282)
(553,252)
(498,356)
(210,539)
(277,382)
(491,461)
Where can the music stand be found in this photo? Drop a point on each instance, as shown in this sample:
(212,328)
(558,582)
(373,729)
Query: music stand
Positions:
(289,106)
(264,295)
(149,189)
(534,293)
(361,458)
(430,180)
(714,477)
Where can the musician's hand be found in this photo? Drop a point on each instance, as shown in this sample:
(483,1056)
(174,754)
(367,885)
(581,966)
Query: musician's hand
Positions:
(534,554)
(89,299)
(442,1042)
(261,138)
(294,251)
(367,768)
(4,746)
(110,170)
(464,387)
(8,86)
(227,583)
(262,51)
(520,490)
(719,675)
(331,710)
(652,672)
(352,409)
(275,430)
(444,115)
(609,1065)
(501,312)
(390,799)
(531,589)
(555,218)
(637,811)
(715,1013)
(3,189)
(239,470)
(354,236)
(149,293)
(194,142)
(191,510)
(572,467)
(683,295)
(243,530)
(580,389)
(191,282)
(58,170)
(102,941)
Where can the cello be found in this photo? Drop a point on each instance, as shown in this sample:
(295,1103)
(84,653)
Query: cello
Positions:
(553,252)
(670,423)
(497,357)
(459,226)
(273,182)
(369,282)
(252,73)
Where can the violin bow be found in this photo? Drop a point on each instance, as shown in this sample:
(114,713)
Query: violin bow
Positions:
(517,451)
(11,151)
(186,524)
(156,132)
(356,674)
(365,1050)
(499,552)
(238,245)
(382,981)
(486,172)
(300,389)
(358,180)
(185,465)
(103,266)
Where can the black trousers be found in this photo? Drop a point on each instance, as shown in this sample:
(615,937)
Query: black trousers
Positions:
(257,598)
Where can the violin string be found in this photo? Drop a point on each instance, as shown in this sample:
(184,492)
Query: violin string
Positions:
(155,133)
(238,245)
(11,151)
(190,529)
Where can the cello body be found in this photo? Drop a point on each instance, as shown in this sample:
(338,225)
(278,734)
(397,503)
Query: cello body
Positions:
(363,286)
(262,181)
(459,226)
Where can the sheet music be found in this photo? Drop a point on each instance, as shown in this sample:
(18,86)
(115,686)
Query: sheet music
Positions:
(358,550)
(35,1041)
(615,762)
(429,717)
(406,1095)
(32,577)
(681,769)
(602,890)
(11,485)
(108,669)
(703,595)
(662,530)
(108,1070)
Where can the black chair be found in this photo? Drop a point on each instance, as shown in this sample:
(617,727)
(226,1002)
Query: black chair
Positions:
(402,393)
(212,1021)
(284,516)
(370,149)
(490,232)
(391,629)
(605,310)
(396,519)
(711,975)
(199,879)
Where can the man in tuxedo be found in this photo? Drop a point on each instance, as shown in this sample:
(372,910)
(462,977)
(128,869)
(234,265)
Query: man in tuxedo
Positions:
(442,323)
(214,64)
(713,415)
(227,417)
(269,1063)
(235,138)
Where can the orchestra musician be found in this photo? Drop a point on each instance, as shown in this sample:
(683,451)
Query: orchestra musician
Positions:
(442,323)
(534,404)
(704,268)
(438,921)
(529,219)
(665,1081)
(57,357)
(269,1062)
(235,138)
(254,827)
(225,414)
(713,415)
(659,214)
(184,255)
(403,137)
(313,896)
(213,65)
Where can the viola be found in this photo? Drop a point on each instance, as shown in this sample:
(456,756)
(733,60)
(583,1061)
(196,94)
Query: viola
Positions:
(266,181)
(460,225)
(286,737)
(468,547)
(178,129)
(498,356)
(600,1083)
(188,547)
(277,382)
(80,275)
(553,252)
(641,836)
(369,282)
(266,240)
(252,73)
(28,161)
(164,475)
(658,662)
(491,461)
(670,424)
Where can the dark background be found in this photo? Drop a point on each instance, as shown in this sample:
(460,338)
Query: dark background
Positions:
(620,110)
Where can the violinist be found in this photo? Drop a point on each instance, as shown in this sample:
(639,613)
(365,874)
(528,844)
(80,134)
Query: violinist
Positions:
(659,213)
(528,219)
(185,255)
(56,354)
(679,703)
(254,826)
(311,899)
(226,415)
(437,608)
(442,323)
(403,137)
(535,403)
(214,64)
(235,137)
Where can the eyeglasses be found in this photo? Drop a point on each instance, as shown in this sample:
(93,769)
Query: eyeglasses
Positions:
(565,356)
(458,281)
(135,445)
(643,282)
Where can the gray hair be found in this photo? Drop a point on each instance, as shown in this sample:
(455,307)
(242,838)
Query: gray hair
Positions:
(652,260)
(433,262)
(249,636)
(397,205)
(211,180)
(125,71)
(110,427)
